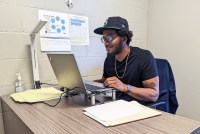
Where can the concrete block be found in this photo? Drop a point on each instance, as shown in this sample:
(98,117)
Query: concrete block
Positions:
(14,45)
(45,70)
(139,31)
(96,47)
(135,15)
(79,50)
(139,43)
(94,77)
(95,22)
(90,65)
(107,8)
(98,8)
(29,19)
(132,10)
(61,6)
(26,3)
(6,90)
(138,3)
(10,18)
(9,68)
(10,89)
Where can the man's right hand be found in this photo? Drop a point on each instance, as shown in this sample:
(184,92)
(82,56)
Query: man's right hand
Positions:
(100,80)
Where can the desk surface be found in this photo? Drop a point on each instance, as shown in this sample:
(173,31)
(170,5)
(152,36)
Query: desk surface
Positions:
(68,117)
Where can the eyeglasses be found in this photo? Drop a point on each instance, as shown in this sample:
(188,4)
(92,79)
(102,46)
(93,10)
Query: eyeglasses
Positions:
(108,38)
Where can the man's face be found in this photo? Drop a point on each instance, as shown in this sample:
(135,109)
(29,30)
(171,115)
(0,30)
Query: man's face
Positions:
(112,42)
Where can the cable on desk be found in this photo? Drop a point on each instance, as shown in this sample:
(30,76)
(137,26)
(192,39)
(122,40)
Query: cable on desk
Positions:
(56,103)
(48,84)
(71,94)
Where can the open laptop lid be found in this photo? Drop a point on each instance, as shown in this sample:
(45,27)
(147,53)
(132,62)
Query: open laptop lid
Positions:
(66,71)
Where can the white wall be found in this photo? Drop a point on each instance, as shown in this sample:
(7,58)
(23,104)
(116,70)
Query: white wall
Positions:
(173,34)
(18,18)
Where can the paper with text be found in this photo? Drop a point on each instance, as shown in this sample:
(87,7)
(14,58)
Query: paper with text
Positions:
(54,45)
(79,30)
(54,36)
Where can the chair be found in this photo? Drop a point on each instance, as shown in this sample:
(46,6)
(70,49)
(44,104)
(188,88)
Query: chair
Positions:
(167,100)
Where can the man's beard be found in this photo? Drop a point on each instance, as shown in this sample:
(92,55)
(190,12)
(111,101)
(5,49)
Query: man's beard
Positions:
(118,48)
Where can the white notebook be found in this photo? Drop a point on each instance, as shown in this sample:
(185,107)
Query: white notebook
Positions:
(118,112)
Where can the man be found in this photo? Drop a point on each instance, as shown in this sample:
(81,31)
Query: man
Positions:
(130,70)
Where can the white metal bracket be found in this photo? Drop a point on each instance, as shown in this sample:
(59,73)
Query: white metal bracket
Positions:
(34,54)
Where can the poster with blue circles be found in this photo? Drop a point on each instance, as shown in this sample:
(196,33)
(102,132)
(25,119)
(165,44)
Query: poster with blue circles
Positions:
(57,25)
(62,30)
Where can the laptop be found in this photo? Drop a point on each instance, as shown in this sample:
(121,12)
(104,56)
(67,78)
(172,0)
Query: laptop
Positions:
(68,74)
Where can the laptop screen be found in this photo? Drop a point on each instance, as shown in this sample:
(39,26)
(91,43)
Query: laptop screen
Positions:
(66,71)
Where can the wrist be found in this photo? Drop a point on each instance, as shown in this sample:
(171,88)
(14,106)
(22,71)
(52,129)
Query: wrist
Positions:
(128,88)
(125,88)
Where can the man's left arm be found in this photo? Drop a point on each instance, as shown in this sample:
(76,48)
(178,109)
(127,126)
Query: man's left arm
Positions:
(149,92)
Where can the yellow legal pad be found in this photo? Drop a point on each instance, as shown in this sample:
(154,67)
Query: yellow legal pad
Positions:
(36,95)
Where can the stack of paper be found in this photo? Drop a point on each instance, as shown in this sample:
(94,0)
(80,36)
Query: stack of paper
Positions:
(119,112)
(37,95)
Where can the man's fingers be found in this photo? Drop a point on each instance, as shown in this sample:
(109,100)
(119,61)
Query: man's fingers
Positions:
(112,85)
(108,82)
(112,78)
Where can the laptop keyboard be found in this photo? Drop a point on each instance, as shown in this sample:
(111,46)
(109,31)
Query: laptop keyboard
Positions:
(92,87)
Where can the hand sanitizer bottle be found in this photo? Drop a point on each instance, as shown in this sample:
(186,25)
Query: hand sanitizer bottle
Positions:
(18,83)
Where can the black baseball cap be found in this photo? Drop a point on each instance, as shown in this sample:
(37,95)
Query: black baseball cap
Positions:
(117,23)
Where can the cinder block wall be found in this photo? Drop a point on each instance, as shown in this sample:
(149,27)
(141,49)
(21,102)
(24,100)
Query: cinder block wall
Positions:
(18,18)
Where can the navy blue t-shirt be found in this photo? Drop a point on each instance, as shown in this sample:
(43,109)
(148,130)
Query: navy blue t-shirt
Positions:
(141,66)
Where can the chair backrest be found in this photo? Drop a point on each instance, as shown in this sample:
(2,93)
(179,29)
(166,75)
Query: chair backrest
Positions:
(167,87)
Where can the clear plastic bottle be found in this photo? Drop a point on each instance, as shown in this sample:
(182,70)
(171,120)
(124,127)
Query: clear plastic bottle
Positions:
(19,83)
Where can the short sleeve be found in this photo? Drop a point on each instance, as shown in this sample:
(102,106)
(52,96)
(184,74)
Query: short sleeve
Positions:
(148,65)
